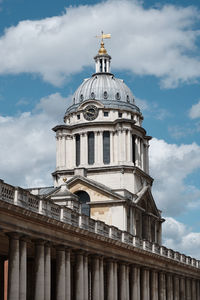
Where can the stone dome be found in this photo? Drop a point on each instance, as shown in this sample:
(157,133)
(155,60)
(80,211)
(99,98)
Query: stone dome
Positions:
(103,87)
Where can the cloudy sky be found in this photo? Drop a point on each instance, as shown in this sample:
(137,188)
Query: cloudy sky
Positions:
(47,49)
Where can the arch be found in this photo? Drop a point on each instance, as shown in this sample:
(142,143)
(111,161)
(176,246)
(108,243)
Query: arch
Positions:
(84,198)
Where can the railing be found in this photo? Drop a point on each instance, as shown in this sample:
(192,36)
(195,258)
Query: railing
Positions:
(25,199)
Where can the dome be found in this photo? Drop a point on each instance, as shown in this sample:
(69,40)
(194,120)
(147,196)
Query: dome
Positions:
(103,87)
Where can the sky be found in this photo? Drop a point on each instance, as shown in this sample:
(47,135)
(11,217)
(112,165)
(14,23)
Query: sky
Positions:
(47,49)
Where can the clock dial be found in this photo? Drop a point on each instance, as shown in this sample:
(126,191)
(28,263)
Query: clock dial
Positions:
(90,112)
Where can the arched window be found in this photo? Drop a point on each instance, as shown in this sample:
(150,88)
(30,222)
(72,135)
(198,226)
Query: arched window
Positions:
(90,148)
(133,148)
(84,198)
(78,149)
(106,147)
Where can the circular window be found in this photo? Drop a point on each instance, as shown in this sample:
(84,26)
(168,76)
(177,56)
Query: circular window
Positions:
(127,98)
(93,95)
(117,96)
(81,97)
(105,95)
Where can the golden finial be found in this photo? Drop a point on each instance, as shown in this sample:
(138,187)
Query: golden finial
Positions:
(64,179)
(103,36)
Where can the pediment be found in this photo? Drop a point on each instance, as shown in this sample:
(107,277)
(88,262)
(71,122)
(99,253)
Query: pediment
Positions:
(96,190)
(146,201)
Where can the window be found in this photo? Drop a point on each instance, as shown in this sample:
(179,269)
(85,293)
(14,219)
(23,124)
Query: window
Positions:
(101,65)
(119,114)
(133,148)
(105,113)
(106,147)
(78,117)
(90,148)
(131,117)
(84,199)
(78,148)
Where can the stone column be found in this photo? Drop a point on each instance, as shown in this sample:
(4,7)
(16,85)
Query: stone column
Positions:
(96,147)
(112,149)
(137,151)
(145,290)
(100,147)
(22,269)
(194,293)
(135,282)
(142,154)
(124,145)
(79,277)
(60,273)
(198,290)
(2,278)
(147,159)
(84,150)
(182,289)
(122,282)
(169,287)
(176,288)
(39,270)
(67,274)
(127,283)
(47,271)
(63,151)
(101,279)
(13,267)
(95,278)
(162,287)
(73,153)
(154,285)
(188,289)
(129,147)
(110,283)
(115,280)
(116,156)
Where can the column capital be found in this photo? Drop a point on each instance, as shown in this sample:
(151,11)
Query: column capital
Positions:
(14,235)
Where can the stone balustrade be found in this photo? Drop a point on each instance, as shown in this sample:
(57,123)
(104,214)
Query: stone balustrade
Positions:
(26,200)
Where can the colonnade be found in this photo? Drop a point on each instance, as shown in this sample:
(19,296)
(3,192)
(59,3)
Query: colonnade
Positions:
(121,149)
(81,275)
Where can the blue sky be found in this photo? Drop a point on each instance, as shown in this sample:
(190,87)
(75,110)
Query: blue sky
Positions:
(47,49)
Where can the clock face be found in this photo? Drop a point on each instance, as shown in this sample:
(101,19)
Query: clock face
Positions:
(91,112)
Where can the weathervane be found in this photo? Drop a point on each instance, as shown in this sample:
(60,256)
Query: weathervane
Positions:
(103,36)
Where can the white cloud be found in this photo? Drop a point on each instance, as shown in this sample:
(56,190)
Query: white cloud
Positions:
(28,145)
(194,112)
(157,41)
(179,237)
(170,165)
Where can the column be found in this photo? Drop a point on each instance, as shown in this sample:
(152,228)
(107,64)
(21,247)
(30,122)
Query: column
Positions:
(135,282)
(137,151)
(147,159)
(13,267)
(194,295)
(96,147)
(169,287)
(72,161)
(115,280)
(39,270)
(110,279)
(145,285)
(122,282)
(129,146)
(22,269)
(182,289)
(67,274)
(176,288)
(111,147)
(116,157)
(154,285)
(198,290)
(142,154)
(101,279)
(60,273)
(84,149)
(100,147)
(57,151)
(162,287)
(79,277)
(188,289)
(124,145)
(63,151)
(127,283)
(95,278)
(47,271)
(1,278)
